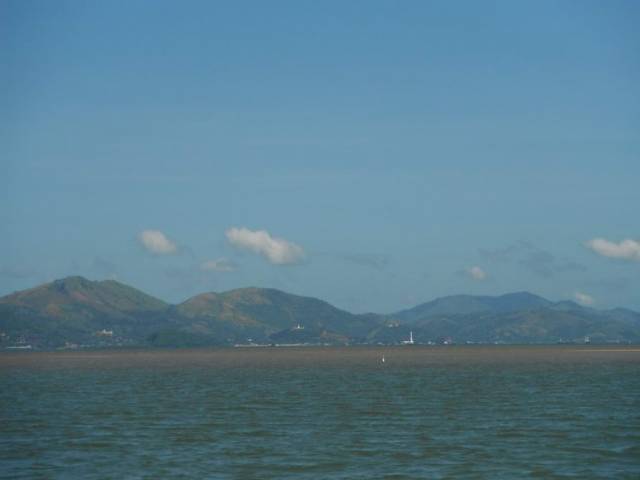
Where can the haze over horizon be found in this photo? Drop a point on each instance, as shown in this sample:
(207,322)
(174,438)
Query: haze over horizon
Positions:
(373,155)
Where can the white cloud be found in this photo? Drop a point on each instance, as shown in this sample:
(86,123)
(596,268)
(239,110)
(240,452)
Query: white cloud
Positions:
(627,249)
(219,265)
(583,298)
(476,273)
(157,242)
(276,250)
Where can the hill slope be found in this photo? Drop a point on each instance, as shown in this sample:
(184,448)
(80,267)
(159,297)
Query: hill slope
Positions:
(66,296)
(259,313)
(75,309)
(512,318)
(101,313)
(467,304)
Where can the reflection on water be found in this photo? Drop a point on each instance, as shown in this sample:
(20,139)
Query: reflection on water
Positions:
(327,413)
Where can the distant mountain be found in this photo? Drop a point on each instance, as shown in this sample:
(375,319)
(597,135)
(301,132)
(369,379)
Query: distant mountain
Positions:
(77,296)
(468,304)
(527,326)
(259,313)
(76,312)
(570,306)
(624,315)
(76,309)
(512,318)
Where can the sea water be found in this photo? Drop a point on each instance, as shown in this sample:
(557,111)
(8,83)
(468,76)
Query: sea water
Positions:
(322,413)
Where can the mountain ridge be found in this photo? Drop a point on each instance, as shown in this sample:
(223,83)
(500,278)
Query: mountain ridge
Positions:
(465,304)
(78,311)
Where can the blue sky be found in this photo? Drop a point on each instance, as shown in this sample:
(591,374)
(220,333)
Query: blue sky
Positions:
(373,154)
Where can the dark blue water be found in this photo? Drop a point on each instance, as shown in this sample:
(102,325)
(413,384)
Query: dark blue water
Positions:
(553,412)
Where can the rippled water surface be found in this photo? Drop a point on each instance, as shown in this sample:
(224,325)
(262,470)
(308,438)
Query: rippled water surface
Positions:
(322,413)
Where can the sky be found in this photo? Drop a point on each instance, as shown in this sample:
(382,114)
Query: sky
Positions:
(373,154)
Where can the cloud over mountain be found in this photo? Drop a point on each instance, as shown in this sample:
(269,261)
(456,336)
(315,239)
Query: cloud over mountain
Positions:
(625,250)
(476,273)
(583,298)
(157,242)
(277,251)
(219,265)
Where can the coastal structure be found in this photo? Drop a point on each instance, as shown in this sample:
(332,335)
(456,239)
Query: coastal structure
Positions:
(410,341)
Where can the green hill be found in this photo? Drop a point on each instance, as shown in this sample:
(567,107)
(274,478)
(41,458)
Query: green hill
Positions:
(259,313)
(513,318)
(74,296)
(473,304)
(78,312)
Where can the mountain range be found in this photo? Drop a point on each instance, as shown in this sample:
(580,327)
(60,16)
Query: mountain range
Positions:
(74,311)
